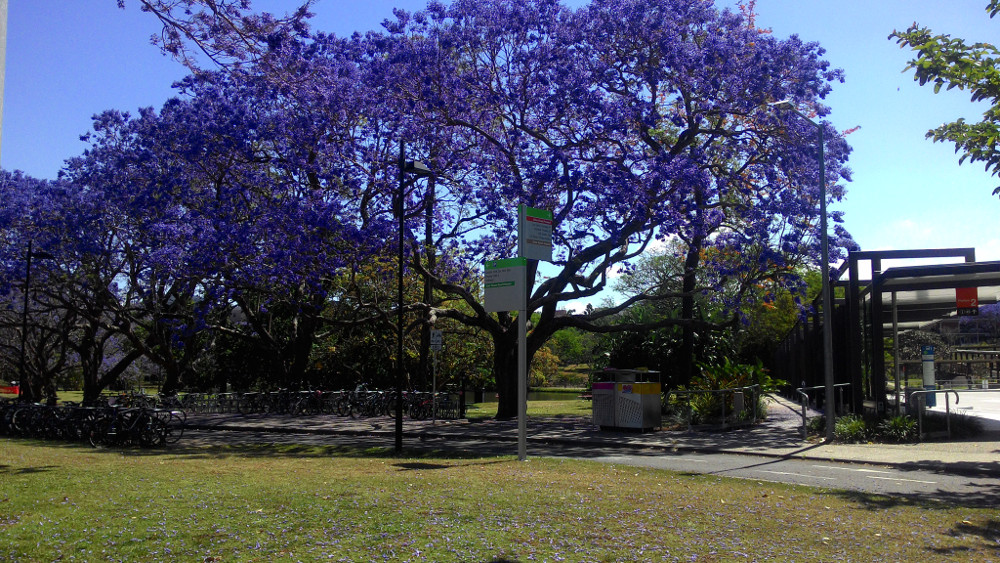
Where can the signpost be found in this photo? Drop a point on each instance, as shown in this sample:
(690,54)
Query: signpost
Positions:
(927,362)
(437,344)
(534,233)
(507,287)
(505,284)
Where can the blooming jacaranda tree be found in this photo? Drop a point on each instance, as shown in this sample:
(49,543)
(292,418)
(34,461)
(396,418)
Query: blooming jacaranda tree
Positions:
(272,182)
(229,207)
(635,122)
(226,33)
(74,278)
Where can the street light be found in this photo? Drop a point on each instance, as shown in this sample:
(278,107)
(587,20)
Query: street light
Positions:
(418,170)
(825,269)
(22,364)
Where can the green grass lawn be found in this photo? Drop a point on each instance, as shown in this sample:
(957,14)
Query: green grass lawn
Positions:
(537,409)
(306,503)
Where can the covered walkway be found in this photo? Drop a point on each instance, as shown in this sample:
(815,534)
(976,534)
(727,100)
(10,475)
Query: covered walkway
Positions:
(870,315)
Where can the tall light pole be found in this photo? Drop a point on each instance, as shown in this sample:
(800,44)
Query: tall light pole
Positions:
(417,169)
(827,294)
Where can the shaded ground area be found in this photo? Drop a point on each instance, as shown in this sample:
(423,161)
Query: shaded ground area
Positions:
(779,436)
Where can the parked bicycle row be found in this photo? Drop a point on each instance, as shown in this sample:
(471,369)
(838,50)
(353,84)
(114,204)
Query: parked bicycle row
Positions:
(356,404)
(100,426)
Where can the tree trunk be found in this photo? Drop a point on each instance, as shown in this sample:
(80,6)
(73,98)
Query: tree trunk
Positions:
(689,283)
(172,379)
(298,351)
(505,373)
(31,390)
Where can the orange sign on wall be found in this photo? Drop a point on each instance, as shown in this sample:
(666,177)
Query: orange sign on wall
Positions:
(967,301)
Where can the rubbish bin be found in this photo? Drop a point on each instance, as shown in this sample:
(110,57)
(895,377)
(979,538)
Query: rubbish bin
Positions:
(603,404)
(627,400)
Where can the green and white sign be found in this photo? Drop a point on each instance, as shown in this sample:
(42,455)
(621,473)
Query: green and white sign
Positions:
(504,284)
(535,233)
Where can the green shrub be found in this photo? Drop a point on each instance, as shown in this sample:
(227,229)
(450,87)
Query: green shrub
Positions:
(897,429)
(761,407)
(853,429)
(850,429)
(730,375)
(708,407)
(816,425)
(705,408)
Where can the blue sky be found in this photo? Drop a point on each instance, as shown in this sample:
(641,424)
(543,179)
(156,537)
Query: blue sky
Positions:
(70,59)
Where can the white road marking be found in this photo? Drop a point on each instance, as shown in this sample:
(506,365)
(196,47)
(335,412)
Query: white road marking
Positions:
(797,475)
(855,469)
(903,480)
(861,470)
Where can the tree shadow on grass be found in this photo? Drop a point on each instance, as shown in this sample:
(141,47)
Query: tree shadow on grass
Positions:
(272,450)
(989,531)
(983,496)
(295,451)
(420,466)
(9,470)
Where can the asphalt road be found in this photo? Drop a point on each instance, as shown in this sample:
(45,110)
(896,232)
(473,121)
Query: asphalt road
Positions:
(915,483)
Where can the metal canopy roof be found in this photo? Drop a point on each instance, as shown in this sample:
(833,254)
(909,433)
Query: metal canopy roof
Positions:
(927,293)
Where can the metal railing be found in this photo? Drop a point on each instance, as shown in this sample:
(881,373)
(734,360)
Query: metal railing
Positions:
(732,417)
(804,395)
(921,400)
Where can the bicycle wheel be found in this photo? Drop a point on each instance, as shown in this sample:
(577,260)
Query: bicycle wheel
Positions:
(20,421)
(174,427)
(98,430)
(152,432)
(342,406)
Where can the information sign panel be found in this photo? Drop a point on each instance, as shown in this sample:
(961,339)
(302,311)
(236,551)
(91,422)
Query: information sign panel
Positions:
(437,340)
(504,284)
(535,233)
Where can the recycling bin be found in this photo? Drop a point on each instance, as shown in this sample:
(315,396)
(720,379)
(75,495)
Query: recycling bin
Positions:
(627,400)
(603,404)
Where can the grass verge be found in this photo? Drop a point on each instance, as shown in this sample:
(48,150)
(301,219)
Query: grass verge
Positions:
(265,503)
(574,407)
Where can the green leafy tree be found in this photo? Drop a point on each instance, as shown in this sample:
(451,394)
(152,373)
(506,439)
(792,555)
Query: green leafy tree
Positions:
(775,311)
(544,367)
(573,346)
(950,62)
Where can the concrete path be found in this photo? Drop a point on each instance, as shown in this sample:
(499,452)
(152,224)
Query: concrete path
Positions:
(780,436)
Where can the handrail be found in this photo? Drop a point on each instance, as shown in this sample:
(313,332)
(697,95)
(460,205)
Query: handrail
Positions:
(947,408)
(805,402)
